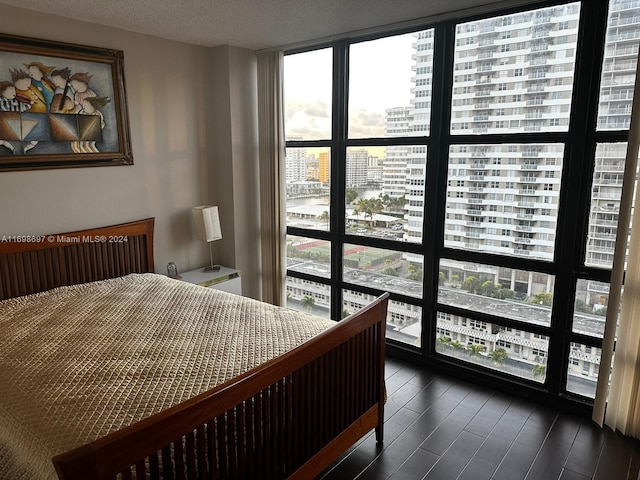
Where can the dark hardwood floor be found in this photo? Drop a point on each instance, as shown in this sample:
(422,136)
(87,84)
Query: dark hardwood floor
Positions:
(440,428)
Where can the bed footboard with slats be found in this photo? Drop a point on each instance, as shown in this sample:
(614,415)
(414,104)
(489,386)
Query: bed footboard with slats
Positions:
(288,418)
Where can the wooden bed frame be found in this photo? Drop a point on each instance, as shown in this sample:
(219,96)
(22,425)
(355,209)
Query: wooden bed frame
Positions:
(290,417)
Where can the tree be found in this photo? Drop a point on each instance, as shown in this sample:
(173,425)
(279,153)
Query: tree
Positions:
(472,284)
(324,217)
(441,278)
(456,345)
(385,199)
(397,203)
(369,206)
(415,273)
(357,212)
(390,271)
(543,298)
(308,302)
(444,342)
(498,355)
(489,288)
(350,195)
(475,349)
(539,371)
(505,293)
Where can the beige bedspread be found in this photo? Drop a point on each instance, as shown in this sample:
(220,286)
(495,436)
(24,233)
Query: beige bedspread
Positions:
(79,362)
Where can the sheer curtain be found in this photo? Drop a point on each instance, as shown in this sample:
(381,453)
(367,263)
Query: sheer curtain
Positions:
(272,185)
(272,163)
(620,409)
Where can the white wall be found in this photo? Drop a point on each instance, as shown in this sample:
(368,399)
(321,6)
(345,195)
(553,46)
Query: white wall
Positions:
(235,180)
(173,102)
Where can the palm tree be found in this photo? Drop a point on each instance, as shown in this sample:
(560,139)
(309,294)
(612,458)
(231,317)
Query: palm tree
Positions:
(539,371)
(444,342)
(308,302)
(351,194)
(475,349)
(498,355)
(324,217)
(457,346)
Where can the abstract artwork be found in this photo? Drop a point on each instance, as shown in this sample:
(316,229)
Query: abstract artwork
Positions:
(61,105)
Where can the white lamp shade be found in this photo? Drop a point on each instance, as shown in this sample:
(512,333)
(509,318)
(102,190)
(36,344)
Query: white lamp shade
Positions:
(207,223)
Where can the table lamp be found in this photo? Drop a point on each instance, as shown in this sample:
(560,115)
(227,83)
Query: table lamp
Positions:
(207,222)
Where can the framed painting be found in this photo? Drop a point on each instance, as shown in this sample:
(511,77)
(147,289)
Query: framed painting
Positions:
(61,105)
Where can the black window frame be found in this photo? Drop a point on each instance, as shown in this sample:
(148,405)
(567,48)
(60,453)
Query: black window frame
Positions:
(568,266)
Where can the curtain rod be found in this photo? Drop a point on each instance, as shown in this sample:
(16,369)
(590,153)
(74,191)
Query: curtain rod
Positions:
(404,24)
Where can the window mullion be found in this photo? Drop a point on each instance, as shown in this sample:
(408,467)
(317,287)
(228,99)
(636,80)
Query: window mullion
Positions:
(338,172)
(436,182)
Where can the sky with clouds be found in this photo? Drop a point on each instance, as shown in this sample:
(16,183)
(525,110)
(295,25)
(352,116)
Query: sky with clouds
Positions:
(380,78)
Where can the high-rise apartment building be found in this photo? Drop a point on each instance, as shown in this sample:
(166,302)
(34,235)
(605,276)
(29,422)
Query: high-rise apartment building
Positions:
(296,165)
(515,74)
(398,122)
(324,167)
(356,170)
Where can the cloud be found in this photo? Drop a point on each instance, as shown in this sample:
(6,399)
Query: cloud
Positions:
(366,123)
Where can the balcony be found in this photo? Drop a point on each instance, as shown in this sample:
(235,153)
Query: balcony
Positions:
(522,240)
(602,222)
(602,236)
(528,179)
(535,89)
(486,43)
(527,191)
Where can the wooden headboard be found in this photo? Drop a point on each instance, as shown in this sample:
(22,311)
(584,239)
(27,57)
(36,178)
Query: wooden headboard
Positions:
(36,263)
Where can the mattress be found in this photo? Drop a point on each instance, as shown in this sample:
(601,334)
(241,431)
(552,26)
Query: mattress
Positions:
(79,362)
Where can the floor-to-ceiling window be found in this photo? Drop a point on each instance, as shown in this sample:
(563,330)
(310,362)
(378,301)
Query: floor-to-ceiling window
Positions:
(473,169)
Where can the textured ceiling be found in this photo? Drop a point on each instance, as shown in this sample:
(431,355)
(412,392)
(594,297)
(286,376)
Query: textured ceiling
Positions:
(252,24)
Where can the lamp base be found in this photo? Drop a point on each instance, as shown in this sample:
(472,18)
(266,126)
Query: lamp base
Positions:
(211,268)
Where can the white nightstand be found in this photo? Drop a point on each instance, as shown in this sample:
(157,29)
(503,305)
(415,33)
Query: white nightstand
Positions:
(225,279)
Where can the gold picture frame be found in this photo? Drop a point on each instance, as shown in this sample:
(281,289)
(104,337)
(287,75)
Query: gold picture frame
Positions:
(61,105)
